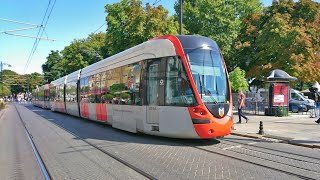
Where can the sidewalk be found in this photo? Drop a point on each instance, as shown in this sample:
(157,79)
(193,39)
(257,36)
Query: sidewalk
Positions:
(293,129)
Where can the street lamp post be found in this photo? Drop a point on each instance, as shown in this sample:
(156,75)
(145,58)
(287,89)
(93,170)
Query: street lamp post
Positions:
(180,19)
(2,63)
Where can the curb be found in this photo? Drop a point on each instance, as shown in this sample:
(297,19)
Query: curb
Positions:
(304,145)
(278,138)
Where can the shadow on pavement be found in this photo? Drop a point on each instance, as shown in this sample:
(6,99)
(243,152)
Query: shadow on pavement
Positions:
(88,129)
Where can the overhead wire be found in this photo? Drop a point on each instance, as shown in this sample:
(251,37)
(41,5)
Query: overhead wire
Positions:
(40,32)
(18,22)
(36,40)
(156,2)
(99,27)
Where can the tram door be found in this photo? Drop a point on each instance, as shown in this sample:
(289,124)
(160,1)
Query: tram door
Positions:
(155,76)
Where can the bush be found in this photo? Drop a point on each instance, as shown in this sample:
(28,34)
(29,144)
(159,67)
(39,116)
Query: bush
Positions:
(281,111)
(2,105)
(125,95)
(109,97)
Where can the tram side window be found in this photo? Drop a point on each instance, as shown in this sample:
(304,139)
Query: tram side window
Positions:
(68,89)
(178,88)
(131,80)
(91,85)
(40,94)
(71,91)
(97,90)
(84,89)
(52,93)
(103,87)
(46,95)
(61,93)
(114,85)
(58,93)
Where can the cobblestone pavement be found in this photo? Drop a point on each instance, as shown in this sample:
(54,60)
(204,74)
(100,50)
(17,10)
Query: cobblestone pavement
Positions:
(233,157)
(67,157)
(295,129)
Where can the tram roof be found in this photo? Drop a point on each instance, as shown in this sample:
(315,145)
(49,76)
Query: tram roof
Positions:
(61,80)
(73,76)
(193,41)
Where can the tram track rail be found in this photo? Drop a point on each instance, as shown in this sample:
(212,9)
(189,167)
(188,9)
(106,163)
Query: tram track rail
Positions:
(266,163)
(119,159)
(266,148)
(42,165)
(274,155)
(299,157)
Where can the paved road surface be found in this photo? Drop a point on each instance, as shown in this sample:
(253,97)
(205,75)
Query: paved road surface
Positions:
(67,156)
(17,160)
(295,128)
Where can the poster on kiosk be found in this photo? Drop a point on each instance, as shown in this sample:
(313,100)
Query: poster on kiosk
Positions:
(280,94)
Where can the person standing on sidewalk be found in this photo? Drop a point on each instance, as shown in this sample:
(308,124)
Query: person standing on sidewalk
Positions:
(241,104)
(317,108)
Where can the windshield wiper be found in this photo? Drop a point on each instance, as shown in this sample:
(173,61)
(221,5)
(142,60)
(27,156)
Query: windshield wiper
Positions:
(200,82)
(206,91)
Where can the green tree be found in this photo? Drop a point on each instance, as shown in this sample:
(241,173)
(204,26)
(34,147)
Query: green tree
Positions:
(6,90)
(83,52)
(286,36)
(17,83)
(130,24)
(238,80)
(221,20)
(33,80)
(13,81)
(52,68)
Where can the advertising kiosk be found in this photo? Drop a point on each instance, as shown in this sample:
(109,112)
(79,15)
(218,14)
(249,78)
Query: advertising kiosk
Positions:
(278,85)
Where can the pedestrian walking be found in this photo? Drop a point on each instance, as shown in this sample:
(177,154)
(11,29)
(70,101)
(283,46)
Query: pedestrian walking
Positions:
(241,104)
(317,104)
(317,108)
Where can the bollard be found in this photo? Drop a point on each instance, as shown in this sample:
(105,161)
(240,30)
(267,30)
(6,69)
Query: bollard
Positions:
(261,132)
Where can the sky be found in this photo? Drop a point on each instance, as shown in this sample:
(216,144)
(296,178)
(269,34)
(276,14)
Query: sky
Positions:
(69,20)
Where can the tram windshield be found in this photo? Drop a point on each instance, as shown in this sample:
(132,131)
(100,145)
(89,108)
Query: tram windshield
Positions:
(209,75)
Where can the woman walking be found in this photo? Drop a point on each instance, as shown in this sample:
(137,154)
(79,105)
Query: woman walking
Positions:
(241,104)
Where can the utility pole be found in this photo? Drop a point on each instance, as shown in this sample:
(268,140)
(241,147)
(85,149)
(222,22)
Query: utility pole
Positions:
(180,22)
(2,63)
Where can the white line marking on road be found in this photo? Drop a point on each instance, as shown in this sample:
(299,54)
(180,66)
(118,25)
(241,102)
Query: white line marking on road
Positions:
(252,143)
(231,147)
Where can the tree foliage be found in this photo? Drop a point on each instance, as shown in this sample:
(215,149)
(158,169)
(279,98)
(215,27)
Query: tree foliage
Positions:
(286,36)
(79,54)
(220,20)
(15,83)
(130,24)
(238,80)
(83,52)
(53,68)
(6,90)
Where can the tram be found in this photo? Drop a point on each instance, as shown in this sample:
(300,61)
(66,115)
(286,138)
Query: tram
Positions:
(172,86)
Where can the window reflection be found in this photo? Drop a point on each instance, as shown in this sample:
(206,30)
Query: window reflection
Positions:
(178,89)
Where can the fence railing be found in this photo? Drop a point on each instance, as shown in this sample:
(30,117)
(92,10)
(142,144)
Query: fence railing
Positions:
(258,103)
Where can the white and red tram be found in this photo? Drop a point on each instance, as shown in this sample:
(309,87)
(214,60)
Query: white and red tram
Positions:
(173,86)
